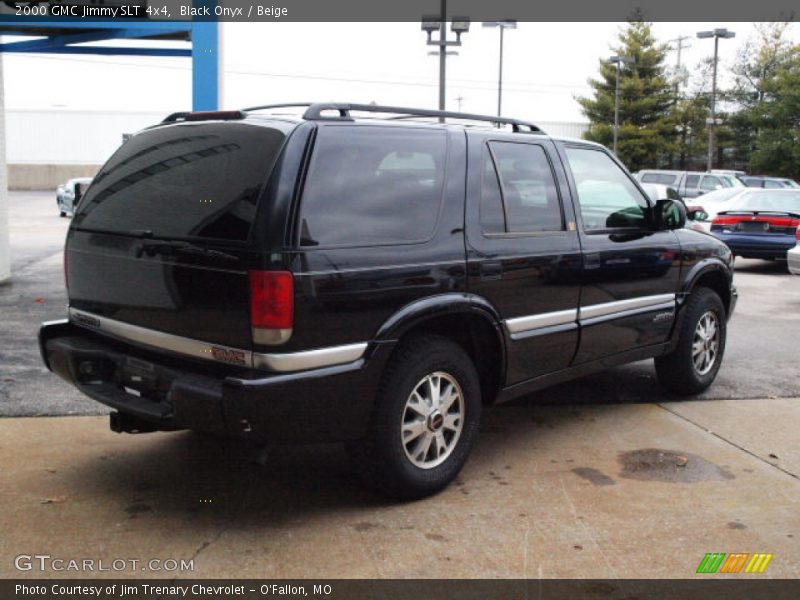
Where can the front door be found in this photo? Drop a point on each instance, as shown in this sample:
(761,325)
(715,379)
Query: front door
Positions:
(523,252)
(631,273)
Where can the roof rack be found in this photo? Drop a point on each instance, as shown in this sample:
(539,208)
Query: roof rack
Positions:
(284,105)
(314,112)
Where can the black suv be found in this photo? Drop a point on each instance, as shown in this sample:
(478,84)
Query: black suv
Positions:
(372,280)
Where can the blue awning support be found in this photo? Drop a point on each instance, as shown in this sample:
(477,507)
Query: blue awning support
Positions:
(60,36)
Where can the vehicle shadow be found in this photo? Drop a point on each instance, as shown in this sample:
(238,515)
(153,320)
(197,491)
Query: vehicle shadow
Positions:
(210,481)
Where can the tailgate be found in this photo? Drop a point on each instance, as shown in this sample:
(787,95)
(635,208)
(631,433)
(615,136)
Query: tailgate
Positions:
(160,247)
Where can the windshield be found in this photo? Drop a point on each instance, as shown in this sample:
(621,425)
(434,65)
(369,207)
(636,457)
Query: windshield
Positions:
(784,201)
(193,180)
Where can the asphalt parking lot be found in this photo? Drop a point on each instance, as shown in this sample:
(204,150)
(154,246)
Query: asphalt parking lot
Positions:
(603,477)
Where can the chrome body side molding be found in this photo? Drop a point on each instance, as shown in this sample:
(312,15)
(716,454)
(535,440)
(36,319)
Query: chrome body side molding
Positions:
(277,362)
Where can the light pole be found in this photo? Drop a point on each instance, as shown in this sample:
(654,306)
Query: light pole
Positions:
(439,23)
(502,25)
(618,61)
(716,34)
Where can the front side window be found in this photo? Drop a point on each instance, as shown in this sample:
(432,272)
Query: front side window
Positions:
(519,186)
(607,197)
(373,185)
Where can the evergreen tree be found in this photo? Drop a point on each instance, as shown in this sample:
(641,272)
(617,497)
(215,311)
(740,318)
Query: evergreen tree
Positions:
(777,144)
(647,130)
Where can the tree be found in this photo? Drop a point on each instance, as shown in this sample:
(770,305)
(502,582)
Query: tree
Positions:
(764,54)
(777,144)
(646,132)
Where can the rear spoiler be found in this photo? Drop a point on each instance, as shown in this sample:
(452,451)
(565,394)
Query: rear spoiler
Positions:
(211,115)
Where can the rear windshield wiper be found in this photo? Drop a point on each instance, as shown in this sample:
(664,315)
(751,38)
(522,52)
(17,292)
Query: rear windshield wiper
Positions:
(166,248)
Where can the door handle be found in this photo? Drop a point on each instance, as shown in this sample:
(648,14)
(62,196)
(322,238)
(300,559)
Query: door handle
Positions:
(491,270)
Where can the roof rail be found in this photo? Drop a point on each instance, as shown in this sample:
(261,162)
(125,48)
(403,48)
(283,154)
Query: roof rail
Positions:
(283,105)
(205,116)
(315,113)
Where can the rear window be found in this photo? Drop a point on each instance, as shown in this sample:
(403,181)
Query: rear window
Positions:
(194,180)
(788,201)
(373,185)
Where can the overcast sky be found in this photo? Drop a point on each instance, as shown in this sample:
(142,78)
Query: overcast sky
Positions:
(546,65)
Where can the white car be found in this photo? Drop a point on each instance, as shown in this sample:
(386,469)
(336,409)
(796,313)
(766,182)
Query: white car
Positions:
(68,194)
(715,202)
(793,258)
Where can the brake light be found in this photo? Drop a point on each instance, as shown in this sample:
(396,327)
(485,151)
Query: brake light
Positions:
(725,220)
(271,306)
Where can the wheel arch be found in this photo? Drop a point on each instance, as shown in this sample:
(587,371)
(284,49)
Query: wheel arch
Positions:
(712,274)
(467,319)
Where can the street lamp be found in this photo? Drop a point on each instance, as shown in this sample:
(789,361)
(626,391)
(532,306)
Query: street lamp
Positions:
(502,25)
(716,34)
(618,61)
(432,23)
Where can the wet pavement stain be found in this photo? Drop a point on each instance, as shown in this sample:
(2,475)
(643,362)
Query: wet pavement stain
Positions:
(435,537)
(593,476)
(654,464)
(736,525)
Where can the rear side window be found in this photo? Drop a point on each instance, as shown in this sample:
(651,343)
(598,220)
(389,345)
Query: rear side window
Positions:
(692,181)
(662,178)
(519,186)
(193,180)
(373,185)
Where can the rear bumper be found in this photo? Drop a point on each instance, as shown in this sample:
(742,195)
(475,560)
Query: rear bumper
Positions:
(757,246)
(325,404)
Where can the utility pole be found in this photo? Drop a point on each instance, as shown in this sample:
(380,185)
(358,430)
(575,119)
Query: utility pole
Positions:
(712,122)
(678,48)
(502,25)
(460,101)
(618,61)
(430,24)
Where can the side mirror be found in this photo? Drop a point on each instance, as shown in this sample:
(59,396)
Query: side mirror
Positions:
(697,215)
(669,214)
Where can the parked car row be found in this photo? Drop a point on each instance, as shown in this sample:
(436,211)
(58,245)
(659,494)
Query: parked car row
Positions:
(690,184)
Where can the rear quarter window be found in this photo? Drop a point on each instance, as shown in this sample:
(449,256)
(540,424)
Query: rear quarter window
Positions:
(372,185)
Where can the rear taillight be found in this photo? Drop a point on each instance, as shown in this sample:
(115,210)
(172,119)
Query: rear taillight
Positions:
(271,306)
(797,233)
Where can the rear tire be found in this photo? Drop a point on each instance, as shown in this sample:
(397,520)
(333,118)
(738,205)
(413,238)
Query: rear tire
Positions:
(693,365)
(425,420)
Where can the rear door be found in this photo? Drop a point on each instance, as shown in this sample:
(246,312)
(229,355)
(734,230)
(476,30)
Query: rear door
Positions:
(631,274)
(523,252)
(159,249)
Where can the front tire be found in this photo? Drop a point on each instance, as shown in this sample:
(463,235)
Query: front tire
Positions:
(693,365)
(424,422)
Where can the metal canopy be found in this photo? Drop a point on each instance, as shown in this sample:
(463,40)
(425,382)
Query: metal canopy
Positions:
(67,36)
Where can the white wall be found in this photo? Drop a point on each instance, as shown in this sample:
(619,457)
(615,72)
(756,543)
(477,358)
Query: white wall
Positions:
(63,137)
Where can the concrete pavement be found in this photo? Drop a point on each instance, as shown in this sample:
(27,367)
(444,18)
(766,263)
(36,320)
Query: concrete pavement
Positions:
(600,491)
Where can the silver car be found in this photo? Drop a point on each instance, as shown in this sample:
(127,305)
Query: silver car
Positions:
(69,194)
